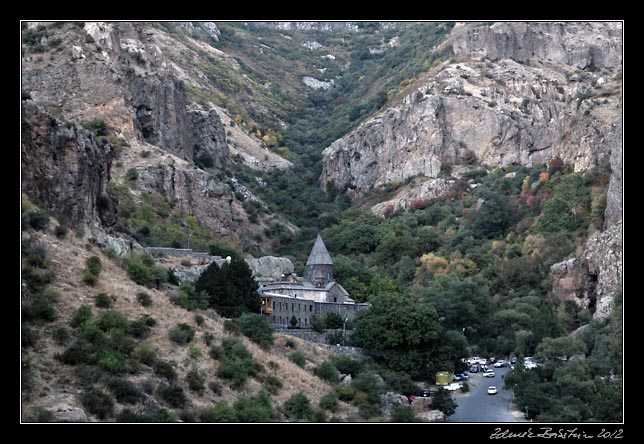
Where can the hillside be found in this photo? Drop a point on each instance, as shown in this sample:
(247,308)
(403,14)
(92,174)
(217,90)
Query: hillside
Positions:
(466,177)
(51,385)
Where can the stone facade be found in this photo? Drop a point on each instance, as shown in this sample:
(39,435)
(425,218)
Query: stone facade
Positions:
(317,296)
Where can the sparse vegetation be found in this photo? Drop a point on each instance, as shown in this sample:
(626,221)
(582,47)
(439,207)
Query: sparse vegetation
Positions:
(182,333)
(298,407)
(103,300)
(297,357)
(196,380)
(172,394)
(98,403)
(144,299)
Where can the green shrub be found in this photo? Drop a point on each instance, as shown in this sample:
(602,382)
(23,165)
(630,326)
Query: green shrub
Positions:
(290,343)
(256,328)
(165,370)
(370,383)
(196,380)
(208,338)
(28,337)
(103,300)
(254,408)
(80,352)
(61,335)
(232,327)
(160,415)
(96,126)
(271,384)
(215,352)
(172,394)
(403,413)
(297,357)
(111,253)
(36,282)
(141,327)
(221,412)
(182,333)
(215,387)
(298,407)
(465,387)
(199,320)
(347,365)
(98,403)
(37,257)
(330,402)
(38,220)
(328,372)
(236,363)
(81,315)
(194,352)
(345,393)
(145,354)
(112,319)
(333,321)
(204,160)
(90,279)
(124,390)
(112,361)
(143,271)
(144,299)
(145,153)
(61,231)
(93,265)
(43,308)
(132,174)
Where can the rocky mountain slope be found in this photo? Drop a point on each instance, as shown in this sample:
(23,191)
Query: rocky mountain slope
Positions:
(512,94)
(138,81)
(57,388)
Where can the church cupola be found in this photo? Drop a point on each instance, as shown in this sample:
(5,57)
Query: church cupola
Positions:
(319,266)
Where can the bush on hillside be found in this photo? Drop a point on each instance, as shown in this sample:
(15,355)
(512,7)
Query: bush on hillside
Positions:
(172,394)
(182,333)
(328,372)
(98,403)
(298,407)
(297,357)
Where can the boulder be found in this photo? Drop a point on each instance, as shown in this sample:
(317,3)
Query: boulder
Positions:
(432,416)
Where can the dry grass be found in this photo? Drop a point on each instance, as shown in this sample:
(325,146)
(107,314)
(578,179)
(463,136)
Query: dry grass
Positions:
(54,380)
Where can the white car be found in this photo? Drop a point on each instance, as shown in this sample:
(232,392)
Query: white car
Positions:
(499,364)
(491,390)
(453,386)
(489,374)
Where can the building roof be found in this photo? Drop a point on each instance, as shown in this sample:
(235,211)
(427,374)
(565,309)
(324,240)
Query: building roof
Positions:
(319,254)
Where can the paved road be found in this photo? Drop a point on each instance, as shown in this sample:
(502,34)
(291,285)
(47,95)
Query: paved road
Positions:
(478,406)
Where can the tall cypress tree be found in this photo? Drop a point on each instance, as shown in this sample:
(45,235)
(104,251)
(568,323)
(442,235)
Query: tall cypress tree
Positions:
(231,288)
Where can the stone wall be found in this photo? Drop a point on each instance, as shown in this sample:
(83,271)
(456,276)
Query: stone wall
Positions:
(181,252)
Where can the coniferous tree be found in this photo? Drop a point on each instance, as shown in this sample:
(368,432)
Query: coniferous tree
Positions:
(231,288)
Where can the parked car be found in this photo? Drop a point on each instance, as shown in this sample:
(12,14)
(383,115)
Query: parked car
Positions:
(461,377)
(500,363)
(491,390)
(513,360)
(474,368)
(427,393)
(492,359)
(489,374)
(453,386)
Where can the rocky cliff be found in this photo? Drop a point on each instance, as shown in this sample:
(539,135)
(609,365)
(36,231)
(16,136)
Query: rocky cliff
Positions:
(66,168)
(508,109)
(581,45)
(591,279)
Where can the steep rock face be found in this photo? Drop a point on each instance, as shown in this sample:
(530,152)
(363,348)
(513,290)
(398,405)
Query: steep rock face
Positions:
(192,191)
(417,196)
(160,117)
(270,267)
(580,45)
(66,168)
(503,112)
(125,79)
(591,279)
(208,136)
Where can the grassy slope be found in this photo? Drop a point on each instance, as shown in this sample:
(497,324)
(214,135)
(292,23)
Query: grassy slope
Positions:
(53,379)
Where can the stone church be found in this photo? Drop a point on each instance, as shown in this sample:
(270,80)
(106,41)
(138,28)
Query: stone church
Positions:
(317,295)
